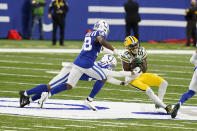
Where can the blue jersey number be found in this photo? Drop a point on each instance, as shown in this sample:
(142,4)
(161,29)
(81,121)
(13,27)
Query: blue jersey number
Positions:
(87,46)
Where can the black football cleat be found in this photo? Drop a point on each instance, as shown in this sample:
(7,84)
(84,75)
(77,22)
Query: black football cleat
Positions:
(175,110)
(24,100)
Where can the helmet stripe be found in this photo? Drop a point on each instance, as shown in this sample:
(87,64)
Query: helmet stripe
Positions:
(133,41)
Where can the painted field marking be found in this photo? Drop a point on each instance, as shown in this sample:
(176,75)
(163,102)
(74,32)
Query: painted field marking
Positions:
(74,109)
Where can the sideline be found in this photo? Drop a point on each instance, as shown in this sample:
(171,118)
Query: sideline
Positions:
(23,50)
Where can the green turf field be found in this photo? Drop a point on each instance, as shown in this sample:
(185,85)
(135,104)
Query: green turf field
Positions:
(21,71)
(77,44)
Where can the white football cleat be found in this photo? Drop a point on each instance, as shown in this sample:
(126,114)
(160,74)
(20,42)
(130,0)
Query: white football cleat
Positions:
(43,98)
(90,105)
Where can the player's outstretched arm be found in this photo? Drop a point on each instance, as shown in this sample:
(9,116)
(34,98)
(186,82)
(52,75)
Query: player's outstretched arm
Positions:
(106,44)
(114,81)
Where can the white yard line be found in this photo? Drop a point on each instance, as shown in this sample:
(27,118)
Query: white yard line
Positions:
(23,50)
(107,125)
(23,68)
(39,69)
(80,126)
(52,127)
(7,74)
(27,62)
(18,128)
(35,57)
(136,124)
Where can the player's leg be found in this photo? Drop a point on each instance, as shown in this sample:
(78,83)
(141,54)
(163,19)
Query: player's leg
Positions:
(24,95)
(37,91)
(138,84)
(157,101)
(162,89)
(60,78)
(187,95)
(192,89)
(97,73)
(57,85)
(156,81)
(62,84)
(141,84)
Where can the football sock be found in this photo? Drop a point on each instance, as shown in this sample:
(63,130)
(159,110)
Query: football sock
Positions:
(162,89)
(59,88)
(90,99)
(36,97)
(37,90)
(154,98)
(96,88)
(186,96)
(30,99)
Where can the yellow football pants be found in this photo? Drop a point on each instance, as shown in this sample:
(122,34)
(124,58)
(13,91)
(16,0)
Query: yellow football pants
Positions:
(145,80)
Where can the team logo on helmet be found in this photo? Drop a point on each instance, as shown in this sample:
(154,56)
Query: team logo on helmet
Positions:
(132,44)
(109,59)
(101,25)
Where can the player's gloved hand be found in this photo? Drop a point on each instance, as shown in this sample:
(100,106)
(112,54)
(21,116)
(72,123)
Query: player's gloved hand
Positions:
(136,70)
(123,83)
(138,61)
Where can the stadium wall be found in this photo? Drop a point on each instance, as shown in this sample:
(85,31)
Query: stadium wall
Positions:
(161,19)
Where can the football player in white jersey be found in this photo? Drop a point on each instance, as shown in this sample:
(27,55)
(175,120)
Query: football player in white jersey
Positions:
(107,63)
(192,87)
(135,58)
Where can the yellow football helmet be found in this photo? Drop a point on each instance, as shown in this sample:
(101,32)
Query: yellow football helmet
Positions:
(132,44)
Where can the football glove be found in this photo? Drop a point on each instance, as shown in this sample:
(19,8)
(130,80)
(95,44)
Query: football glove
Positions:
(138,62)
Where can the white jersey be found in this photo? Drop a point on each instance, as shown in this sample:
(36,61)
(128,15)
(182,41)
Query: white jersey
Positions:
(128,57)
(67,66)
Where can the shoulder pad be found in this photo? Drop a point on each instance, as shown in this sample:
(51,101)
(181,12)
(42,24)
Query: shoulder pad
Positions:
(126,57)
(142,53)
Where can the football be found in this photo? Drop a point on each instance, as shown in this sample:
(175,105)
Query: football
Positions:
(136,63)
(133,65)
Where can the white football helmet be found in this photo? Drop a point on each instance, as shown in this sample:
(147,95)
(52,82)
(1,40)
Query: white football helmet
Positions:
(101,25)
(109,59)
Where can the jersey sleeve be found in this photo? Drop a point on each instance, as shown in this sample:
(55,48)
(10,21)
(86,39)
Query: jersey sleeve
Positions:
(126,57)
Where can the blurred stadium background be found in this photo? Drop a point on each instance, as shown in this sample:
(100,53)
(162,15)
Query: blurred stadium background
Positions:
(161,20)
